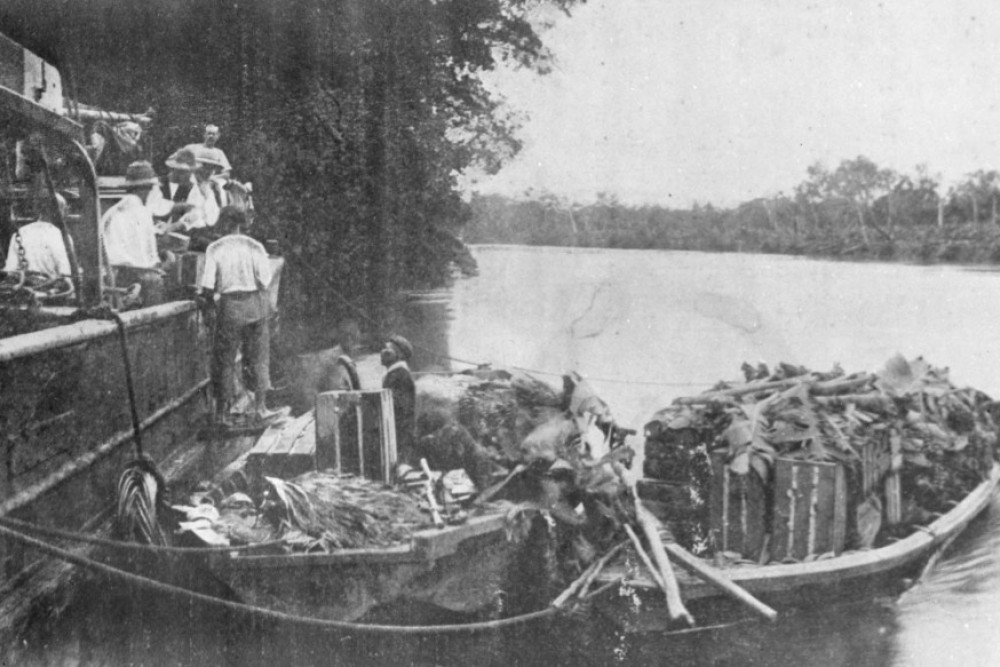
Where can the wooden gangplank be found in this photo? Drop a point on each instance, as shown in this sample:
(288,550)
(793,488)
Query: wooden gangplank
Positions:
(285,450)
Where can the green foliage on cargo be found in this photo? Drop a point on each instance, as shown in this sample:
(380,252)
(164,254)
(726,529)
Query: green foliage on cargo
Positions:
(910,444)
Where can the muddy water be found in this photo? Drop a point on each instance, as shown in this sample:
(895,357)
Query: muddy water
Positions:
(646,327)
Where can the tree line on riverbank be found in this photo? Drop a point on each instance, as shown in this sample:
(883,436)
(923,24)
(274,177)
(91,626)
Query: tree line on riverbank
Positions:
(350,117)
(856,211)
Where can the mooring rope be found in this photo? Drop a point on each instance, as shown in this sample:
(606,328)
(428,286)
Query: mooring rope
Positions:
(261,612)
(328,624)
(16,524)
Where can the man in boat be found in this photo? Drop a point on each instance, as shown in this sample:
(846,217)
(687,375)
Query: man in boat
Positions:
(395,354)
(237,269)
(130,235)
(38,246)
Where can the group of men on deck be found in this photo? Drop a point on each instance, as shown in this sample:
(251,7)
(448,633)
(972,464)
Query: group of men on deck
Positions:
(235,278)
(187,199)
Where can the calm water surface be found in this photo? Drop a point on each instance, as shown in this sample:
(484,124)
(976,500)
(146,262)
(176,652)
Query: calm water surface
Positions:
(646,327)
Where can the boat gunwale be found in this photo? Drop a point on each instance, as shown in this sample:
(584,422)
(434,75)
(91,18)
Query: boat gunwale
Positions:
(66,335)
(425,546)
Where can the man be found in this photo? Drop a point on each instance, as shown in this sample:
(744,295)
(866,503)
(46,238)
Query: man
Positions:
(237,269)
(130,235)
(38,246)
(209,185)
(179,204)
(395,355)
(208,149)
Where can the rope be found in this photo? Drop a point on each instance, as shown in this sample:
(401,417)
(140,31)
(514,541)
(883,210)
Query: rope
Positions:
(129,385)
(131,546)
(326,624)
(270,614)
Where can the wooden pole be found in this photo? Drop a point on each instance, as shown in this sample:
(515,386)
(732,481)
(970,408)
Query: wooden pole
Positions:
(707,573)
(650,527)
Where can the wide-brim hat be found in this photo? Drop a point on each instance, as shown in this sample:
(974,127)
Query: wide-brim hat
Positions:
(403,345)
(183,159)
(140,173)
(207,156)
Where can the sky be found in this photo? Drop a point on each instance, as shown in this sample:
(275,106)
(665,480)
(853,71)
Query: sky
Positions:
(673,102)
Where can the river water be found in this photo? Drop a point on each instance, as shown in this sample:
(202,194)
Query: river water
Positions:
(645,327)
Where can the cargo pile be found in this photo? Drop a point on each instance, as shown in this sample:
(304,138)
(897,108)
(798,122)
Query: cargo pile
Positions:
(316,511)
(866,456)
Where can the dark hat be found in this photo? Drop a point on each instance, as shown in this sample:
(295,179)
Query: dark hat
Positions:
(403,345)
(140,173)
(183,159)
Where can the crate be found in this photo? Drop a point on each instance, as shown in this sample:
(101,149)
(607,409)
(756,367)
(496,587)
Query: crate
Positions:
(737,510)
(810,509)
(356,433)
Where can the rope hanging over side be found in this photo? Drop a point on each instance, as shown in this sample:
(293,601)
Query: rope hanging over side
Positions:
(270,614)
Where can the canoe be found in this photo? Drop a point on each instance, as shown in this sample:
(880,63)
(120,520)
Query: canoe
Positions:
(852,575)
(829,519)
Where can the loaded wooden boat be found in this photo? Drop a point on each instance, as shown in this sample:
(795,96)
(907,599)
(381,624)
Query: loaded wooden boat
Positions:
(460,567)
(453,555)
(821,531)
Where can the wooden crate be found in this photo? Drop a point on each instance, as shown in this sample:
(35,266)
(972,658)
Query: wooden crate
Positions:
(810,509)
(737,510)
(356,433)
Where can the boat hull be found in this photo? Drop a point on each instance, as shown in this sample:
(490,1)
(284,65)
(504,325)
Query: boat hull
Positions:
(857,575)
(458,568)
(68,424)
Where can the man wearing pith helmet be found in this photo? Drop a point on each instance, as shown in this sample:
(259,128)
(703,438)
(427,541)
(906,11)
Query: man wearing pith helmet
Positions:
(395,354)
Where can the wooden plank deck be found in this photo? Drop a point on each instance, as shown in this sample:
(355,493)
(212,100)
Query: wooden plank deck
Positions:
(285,450)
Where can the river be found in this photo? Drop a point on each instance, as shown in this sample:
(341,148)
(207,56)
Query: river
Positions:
(645,327)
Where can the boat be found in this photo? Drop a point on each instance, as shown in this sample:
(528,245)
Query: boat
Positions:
(463,551)
(459,567)
(785,567)
(72,356)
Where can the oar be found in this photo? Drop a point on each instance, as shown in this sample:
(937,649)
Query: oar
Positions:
(706,572)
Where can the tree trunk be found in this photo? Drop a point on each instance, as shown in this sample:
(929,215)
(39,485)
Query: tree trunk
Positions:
(975,209)
(861,225)
(770,214)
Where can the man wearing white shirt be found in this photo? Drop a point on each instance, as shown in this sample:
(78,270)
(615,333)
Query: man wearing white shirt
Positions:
(130,236)
(179,203)
(38,246)
(238,270)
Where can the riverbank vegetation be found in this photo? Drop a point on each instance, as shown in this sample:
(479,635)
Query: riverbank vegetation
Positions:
(857,210)
(352,118)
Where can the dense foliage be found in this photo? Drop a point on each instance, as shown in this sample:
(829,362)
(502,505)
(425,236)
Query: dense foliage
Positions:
(351,117)
(857,210)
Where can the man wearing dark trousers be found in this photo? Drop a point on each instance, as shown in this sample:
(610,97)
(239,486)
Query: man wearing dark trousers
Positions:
(237,269)
(395,355)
